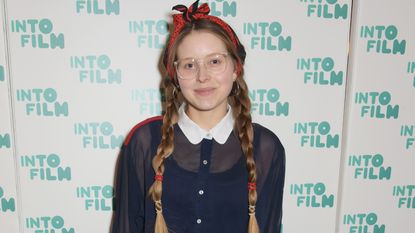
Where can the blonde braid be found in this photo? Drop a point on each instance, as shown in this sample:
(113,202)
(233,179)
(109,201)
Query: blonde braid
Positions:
(243,123)
(164,150)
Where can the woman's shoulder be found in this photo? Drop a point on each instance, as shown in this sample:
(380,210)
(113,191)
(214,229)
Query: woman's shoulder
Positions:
(265,137)
(144,130)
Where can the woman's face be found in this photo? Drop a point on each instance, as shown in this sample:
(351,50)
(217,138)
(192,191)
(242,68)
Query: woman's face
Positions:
(208,91)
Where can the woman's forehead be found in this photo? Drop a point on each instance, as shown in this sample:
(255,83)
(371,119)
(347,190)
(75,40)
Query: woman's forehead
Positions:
(200,44)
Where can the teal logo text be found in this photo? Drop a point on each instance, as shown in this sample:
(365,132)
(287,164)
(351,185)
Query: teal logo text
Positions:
(48,224)
(316,134)
(98,7)
(382,39)
(150,33)
(98,198)
(407,131)
(363,223)
(42,102)
(411,71)
(45,167)
(266,102)
(369,167)
(5,140)
(98,135)
(95,69)
(6,204)
(376,105)
(267,36)
(320,71)
(405,195)
(148,100)
(37,33)
(312,195)
(327,9)
(222,8)
(2,73)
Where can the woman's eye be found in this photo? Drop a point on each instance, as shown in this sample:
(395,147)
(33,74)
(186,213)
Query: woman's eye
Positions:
(215,61)
(189,66)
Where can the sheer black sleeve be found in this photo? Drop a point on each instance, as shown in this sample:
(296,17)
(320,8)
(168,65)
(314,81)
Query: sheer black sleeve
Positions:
(128,215)
(134,167)
(277,178)
(270,161)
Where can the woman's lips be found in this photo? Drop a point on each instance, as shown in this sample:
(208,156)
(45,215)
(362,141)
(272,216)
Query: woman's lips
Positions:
(204,91)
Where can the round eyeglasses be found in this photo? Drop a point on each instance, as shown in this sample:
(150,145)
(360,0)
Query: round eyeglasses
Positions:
(188,68)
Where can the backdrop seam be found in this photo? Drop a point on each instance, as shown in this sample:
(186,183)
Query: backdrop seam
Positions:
(346,114)
(12,116)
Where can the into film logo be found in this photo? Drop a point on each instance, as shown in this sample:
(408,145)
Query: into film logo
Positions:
(5,141)
(326,9)
(150,33)
(98,198)
(222,8)
(407,131)
(316,134)
(312,195)
(405,195)
(320,71)
(45,167)
(6,204)
(149,100)
(52,224)
(42,102)
(369,167)
(382,39)
(95,69)
(363,223)
(267,36)
(376,105)
(98,7)
(98,135)
(266,102)
(410,70)
(37,33)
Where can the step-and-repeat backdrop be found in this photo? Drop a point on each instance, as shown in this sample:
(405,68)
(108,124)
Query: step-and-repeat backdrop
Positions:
(334,79)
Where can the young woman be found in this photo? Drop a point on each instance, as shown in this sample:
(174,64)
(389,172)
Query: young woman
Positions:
(203,166)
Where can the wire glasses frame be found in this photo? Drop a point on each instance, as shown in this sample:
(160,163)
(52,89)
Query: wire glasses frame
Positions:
(189,68)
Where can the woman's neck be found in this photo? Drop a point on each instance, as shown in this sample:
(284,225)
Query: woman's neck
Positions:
(206,119)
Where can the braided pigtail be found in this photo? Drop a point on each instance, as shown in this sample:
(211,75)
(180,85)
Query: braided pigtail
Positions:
(164,150)
(241,106)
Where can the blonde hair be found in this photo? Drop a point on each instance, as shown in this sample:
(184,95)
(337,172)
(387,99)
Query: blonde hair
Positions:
(241,110)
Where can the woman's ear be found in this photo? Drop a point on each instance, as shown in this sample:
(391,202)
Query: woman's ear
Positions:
(235,72)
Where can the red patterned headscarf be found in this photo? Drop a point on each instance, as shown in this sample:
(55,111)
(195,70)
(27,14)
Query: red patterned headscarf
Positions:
(191,15)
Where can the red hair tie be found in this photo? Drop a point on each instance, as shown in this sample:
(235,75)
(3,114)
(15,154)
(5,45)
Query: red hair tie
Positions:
(251,186)
(191,14)
(158,177)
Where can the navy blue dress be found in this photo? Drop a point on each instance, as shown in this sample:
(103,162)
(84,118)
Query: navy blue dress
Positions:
(204,185)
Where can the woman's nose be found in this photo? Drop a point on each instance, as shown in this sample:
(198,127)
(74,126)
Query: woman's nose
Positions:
(203,73)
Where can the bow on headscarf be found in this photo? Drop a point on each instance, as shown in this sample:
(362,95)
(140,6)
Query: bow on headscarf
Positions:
(192,14)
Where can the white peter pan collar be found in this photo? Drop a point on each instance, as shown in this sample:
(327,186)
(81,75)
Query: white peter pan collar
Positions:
(220,132)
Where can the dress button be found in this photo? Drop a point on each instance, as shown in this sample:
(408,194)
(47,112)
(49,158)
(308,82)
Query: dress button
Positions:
(199,221)
(201,192)
(205,162)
